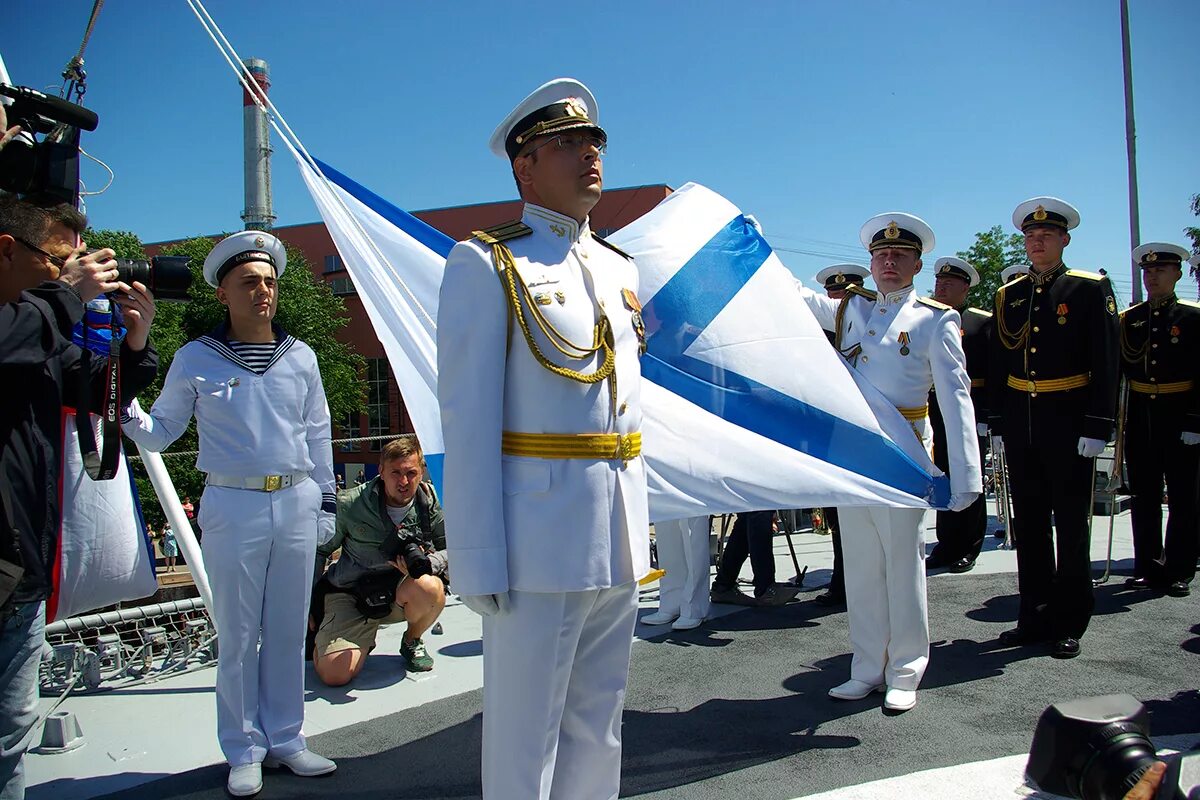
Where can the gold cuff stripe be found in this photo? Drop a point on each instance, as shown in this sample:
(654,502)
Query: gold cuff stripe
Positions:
(1161,388)
(1050,385)
(601,446)
(914,414)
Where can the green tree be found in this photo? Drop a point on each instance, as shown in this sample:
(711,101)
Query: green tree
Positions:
(1193,233)
(992,252)
(307,310)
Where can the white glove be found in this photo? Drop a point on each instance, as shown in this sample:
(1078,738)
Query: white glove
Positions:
(325,527)
(1090,448)
(982,429)
(486,605)
(960,500)
(1187,437)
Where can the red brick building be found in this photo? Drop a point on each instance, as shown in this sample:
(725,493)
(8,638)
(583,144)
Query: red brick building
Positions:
(385,407)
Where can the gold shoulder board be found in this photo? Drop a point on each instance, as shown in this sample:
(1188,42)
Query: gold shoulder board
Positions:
(1024,276)
(611,246)
(1190,303)
(1132,308)
(979,311)
(929,301)
(1091,276)
(502,233)
(854,288)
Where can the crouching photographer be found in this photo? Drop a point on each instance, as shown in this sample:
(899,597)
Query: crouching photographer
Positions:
(392,568)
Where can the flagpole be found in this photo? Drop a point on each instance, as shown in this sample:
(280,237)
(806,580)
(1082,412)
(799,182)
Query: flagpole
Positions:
(1131,152)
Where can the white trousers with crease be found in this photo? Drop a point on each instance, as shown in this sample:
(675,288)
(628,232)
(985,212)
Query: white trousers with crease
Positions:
(555,667)
(258,553)
(884,556)
(683,553)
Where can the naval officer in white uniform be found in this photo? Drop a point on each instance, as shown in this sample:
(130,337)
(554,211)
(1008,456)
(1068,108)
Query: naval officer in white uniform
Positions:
(903,344)
(264,432)
(539,338)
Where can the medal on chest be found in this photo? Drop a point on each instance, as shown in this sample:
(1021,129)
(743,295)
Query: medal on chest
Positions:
(1174,334)
(1062,313)
(635,308)
(903,340)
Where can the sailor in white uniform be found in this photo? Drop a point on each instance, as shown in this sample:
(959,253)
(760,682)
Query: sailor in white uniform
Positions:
(264,434)
(684,556)
(903,344)
(539,338)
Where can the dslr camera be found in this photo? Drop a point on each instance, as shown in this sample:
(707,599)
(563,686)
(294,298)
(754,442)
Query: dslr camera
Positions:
(406,546)
(1097,748)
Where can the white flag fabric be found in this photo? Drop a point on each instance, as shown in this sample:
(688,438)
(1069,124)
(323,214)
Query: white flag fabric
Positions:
(746,405)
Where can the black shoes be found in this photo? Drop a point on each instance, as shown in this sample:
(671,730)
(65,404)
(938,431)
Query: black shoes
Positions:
(1138,583)
(830,599)
(1018,637)
(1066,648)
(1178,589)
(963,565)
(777,595)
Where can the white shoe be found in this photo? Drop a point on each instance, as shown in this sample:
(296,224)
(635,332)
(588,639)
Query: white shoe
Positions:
(660,618)
(900,699)
(245,780)
(305,763)
(855,690)
(687,623)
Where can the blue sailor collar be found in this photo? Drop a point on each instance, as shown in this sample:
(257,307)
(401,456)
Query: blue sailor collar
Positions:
(555,226)
(218,340)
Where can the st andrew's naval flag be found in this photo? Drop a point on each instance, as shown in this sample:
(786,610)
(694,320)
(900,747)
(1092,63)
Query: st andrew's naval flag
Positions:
(745,404)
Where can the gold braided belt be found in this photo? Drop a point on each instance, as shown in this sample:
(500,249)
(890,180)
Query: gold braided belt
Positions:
(1049,385)
(914,414)
(600,446)
(1161,388)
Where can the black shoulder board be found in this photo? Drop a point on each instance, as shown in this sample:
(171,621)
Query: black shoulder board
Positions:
(1132,308)
(1079,273)
(854,288)
(611,246)
(929,301)
(502,233)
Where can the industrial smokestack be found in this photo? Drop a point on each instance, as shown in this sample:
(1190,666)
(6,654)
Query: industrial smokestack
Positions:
(257,214)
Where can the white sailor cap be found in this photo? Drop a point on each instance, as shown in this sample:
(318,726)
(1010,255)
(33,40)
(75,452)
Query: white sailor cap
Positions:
(956,267)
(1161,254)
(241,248)
(1008,273)
(896,229)
(1045,211)
(558,105)
(839,276)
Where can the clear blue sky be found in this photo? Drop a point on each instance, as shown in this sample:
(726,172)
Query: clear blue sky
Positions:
(812,115)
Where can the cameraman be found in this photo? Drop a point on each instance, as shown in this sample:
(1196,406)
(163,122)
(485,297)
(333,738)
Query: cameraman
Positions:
(45,280)
(375,582)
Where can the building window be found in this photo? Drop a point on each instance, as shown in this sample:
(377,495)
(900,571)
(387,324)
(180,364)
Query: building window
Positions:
(378,407)
(349,429)
(342,287)
(334,263)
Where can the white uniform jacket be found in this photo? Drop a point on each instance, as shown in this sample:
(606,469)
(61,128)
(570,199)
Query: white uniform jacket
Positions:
(904,344)
(532,524)
(249,425)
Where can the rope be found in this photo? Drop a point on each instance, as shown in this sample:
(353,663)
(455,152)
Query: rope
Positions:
(383,437)
(73,74)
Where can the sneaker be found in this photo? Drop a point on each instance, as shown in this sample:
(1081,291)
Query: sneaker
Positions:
(731,596)
(777,595)
(417,656)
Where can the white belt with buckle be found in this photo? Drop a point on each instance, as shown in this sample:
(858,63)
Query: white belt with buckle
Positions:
(261,483)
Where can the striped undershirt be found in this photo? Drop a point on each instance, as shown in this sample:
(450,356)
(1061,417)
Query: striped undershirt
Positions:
(257,355)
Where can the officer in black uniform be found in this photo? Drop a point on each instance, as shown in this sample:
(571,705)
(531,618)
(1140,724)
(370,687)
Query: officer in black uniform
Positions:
(1162,428)
(960,533)
(1052,384)
(836,279)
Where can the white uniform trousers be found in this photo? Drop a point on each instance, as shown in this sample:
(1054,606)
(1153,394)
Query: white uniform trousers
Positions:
(554,672)
(883,553)
(683,552)
(258,552)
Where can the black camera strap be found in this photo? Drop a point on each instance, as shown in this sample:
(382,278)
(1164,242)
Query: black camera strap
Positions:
(101,466)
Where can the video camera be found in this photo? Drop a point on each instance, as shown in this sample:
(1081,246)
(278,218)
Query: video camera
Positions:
(49,170)
(1097,748)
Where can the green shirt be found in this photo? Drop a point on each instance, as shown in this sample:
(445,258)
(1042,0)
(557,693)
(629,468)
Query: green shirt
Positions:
(360,531)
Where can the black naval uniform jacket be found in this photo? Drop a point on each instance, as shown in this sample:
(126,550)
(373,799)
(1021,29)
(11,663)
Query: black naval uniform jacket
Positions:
(1053,367)
(976,340)
(1160,362)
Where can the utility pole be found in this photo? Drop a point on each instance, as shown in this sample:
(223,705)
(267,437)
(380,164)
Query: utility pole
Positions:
(1135,236)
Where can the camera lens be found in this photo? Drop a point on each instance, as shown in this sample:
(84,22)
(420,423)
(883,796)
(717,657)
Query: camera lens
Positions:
(1120,754)
(168,277)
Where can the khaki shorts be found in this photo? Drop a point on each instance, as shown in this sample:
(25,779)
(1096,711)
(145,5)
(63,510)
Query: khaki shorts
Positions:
(345,628)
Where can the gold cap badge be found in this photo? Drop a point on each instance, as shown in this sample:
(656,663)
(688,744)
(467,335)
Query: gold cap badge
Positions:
(259,241)
(1151,256)
(892,231)
(576,108)
(1039,213)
